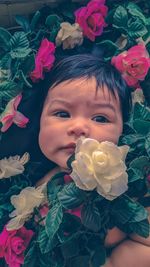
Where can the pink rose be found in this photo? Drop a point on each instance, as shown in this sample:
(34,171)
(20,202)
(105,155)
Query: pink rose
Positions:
(13,244)
(91,18)
(11,115)
(44,60)
(133,64)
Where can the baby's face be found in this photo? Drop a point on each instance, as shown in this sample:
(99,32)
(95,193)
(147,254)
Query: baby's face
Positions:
(73,109)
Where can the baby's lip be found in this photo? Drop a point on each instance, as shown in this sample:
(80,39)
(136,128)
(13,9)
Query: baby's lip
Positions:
(70,145)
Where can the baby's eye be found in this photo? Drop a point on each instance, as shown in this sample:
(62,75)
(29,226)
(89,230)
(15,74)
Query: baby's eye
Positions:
(100,119)
(62,114)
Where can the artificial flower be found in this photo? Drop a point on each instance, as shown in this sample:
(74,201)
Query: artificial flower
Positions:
(138,96)
(44,60)
(24,203)
(69,35)
(11,115)
(100,166)
(13,244)
(13,165)
(133,64)
(92,18)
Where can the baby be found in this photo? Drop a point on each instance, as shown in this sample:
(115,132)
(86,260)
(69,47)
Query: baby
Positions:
(88,97)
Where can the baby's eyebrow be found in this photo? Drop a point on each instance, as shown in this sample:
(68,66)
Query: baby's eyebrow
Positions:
(60,101)
(102,105)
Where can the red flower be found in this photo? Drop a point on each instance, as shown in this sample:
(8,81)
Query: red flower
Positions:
(44,60)
(91,18)
(133,64)
(13,244)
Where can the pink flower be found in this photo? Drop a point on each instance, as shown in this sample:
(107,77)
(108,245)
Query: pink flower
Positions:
(11,115)
(133,64)
(91,18)
(44,60)
(13,244)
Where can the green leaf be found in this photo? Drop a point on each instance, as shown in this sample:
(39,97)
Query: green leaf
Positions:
(19,45)
(46,244)
(141,126)
(27,64)
(23,22)
(5,37)
(131,138)
(141,228)
(91,217)
(140,163)
(70,248)
(136,29)
(35,20)
(79,261)
(23,79)
(71,196)
(30,258)
(147,145)
(134,175)
(141,111)
(53,22)
(109,47)
(120,17)
(8,90)
(135,11)
(98,256)
(53,220)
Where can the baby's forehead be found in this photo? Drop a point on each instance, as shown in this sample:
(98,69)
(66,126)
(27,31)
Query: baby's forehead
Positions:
(84,87)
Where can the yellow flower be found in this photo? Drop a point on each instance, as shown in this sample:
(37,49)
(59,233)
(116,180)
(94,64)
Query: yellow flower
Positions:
(24,203)
(13,165)
(100,166)
(69,35)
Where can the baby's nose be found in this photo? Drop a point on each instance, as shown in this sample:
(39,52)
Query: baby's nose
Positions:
(79,128)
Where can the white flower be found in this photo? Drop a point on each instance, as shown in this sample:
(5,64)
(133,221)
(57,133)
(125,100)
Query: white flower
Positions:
(100,166)
(24,203)
(13,165)
(69,35)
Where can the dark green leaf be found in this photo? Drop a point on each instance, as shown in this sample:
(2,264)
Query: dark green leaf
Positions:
(53,22)
(141,111)
(79,261)
(9,90)
(23,22)
(35,20)
(53,220)
(147,145)
(141,126)
(135,11)
(19,45)
(71,196)
(141,228)
(131,138)
(109,48)
(140,163)
(46,244)
(70,249)
(91,217)
(5,37)
(27,64)
(136,29)
(120,17)
(30,256)
(98,256)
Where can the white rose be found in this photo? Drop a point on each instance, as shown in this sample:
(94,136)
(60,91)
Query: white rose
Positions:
(24,203)
(100,166)
(13,165)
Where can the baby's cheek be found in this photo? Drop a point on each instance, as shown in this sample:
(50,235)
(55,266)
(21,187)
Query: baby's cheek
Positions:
(114,237)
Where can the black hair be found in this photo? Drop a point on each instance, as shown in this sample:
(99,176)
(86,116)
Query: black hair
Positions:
(17,141)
